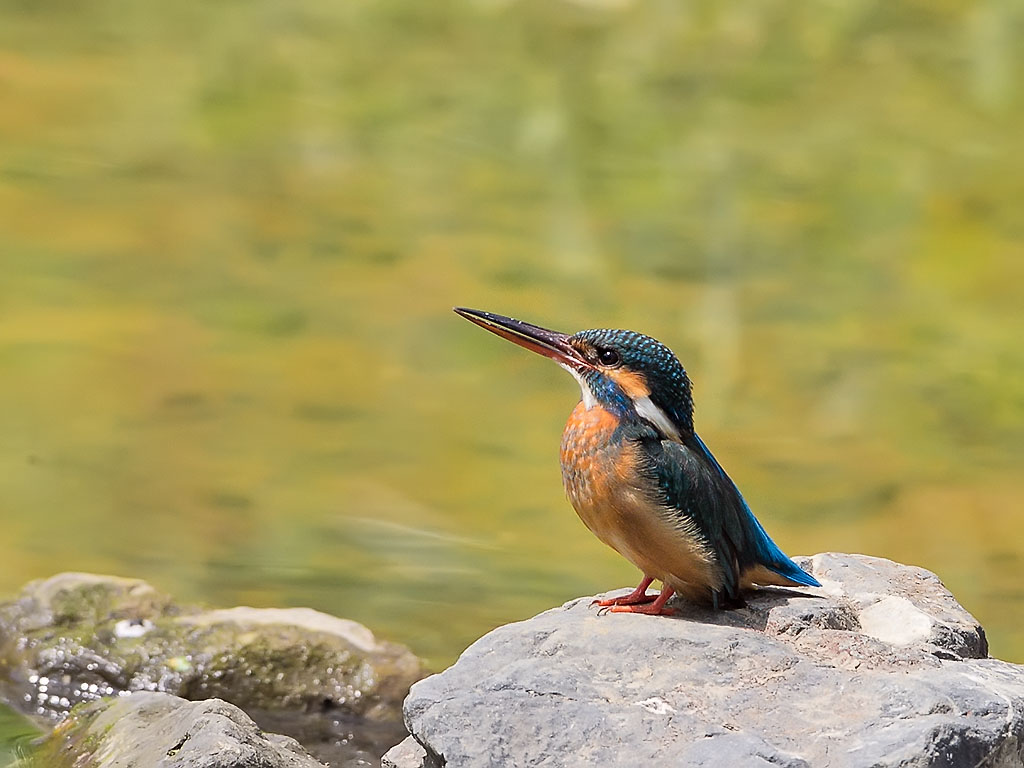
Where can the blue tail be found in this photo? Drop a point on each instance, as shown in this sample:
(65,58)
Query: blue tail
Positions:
(770,556)
(766,552)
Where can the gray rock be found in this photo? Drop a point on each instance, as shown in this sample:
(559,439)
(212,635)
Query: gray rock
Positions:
(76,637)
(879,667)
(407,754)
(158,730)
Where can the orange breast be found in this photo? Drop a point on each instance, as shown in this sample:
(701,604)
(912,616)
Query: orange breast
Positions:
(588,456)
(603,482)
(600,475)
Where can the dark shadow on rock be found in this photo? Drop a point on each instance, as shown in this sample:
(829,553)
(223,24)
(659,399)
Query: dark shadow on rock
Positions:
(753,614)
(758,604)
(334,737)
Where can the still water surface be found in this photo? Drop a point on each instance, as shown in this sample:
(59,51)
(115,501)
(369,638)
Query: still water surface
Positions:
(232,234)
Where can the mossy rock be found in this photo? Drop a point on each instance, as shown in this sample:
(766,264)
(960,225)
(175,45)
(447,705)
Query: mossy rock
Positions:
(77,637)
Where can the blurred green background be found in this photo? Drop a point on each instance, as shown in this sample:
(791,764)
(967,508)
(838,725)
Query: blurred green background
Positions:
(232,233)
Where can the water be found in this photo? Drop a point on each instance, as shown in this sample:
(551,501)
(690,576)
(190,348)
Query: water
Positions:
(233,232)
(16,736)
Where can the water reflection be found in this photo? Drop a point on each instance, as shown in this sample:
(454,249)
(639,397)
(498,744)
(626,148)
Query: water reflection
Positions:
(233,233)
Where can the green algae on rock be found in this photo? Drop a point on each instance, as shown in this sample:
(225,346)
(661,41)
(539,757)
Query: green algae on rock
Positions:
(76,637)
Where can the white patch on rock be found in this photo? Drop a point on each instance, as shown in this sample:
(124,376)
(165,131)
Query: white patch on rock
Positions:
(831,587)
(896,620)
(306,618)
(657,705)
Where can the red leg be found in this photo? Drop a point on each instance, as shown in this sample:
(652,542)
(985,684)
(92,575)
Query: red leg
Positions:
(636,597)
(657,608)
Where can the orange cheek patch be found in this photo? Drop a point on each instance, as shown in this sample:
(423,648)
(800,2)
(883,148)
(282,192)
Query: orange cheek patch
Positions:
(633,384)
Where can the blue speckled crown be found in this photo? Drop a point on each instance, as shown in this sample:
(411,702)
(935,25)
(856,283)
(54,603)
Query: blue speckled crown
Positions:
(665,375)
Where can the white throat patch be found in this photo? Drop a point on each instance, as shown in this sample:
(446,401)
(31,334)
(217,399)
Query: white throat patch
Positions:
(650,412)
(589,401)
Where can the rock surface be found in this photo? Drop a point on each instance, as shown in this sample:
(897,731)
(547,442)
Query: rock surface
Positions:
(158,729)
(879,667)
(76,637)
(408,753)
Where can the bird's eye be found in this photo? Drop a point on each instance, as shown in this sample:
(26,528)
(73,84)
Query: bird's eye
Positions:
(608,357)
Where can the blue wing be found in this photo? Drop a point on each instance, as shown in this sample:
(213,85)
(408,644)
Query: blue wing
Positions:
(693,482)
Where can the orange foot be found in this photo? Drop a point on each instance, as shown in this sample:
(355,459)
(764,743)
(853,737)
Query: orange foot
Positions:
(636,597)
(657,608)
(651,609)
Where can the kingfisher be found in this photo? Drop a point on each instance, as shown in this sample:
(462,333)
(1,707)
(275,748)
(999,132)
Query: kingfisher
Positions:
(641,479)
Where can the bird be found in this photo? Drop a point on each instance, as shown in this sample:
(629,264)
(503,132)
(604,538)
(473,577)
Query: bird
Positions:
(642,480)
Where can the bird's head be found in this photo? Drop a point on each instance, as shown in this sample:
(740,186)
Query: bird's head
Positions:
(625,372)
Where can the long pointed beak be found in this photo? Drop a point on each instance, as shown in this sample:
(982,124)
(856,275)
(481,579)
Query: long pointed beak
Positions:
(540,340)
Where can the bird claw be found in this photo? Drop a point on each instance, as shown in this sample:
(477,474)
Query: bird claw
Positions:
(602,606)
